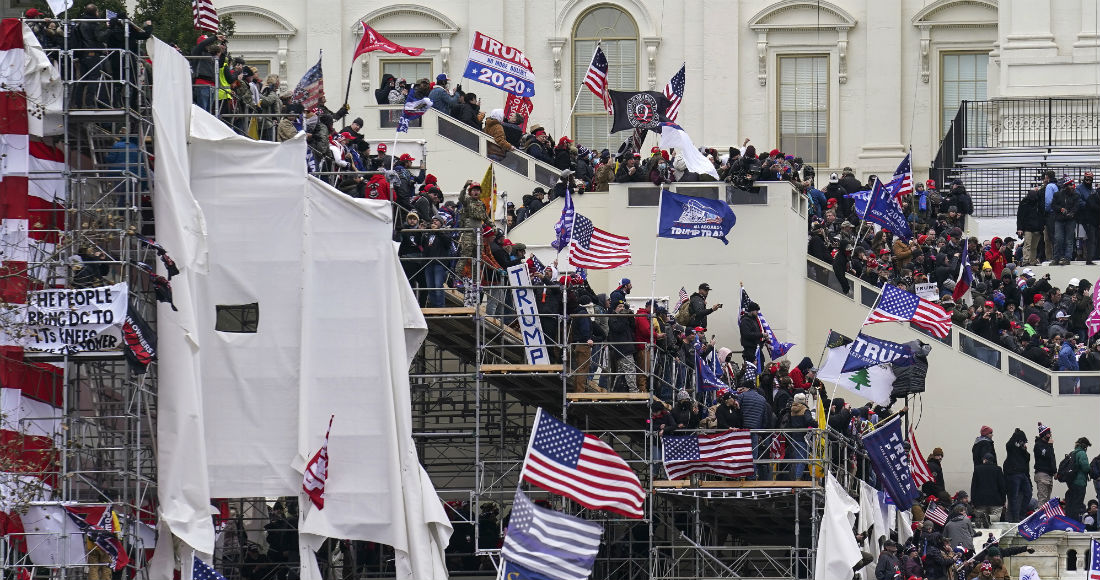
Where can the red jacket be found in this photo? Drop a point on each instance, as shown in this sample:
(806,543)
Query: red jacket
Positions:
(378,188)
(643,332)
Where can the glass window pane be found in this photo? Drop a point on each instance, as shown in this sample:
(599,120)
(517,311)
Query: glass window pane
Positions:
(409,70)
(803,107)
(619,40)
(962,78)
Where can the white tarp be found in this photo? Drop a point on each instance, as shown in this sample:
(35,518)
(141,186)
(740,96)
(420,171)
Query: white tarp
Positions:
(837,550)
(336,328)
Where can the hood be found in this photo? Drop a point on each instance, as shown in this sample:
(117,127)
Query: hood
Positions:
(982,438)
(805,364)
(1018,437)
(723,353)
(798,409)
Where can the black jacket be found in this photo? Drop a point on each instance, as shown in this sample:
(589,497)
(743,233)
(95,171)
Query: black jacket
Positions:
(1029,214)
(467,113)
(752,335)
(1045,461)
(621,330)
(1017,459)
(987,486)
(205,68)
(983,445)
(697,306)
(1064,204)
(729,417)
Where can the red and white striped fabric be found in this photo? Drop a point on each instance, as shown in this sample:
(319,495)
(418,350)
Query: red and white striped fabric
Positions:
(917,464)
(728,454)
(32,214)
(205,15)
(313,480)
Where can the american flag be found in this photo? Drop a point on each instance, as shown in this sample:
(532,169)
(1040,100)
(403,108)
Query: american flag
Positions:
(917,464)
(596,249)
(557,545)
(897,305)
(750,371)
(936,513)
(902,182)
(206,17)
(313,480)
(102,533)
(596,78)
(563,460)
(728,454)
(683,297)
(674,92)
(203,571)
(778,447)
(310,89)
(1052,508)
(534,265)
(1094,561)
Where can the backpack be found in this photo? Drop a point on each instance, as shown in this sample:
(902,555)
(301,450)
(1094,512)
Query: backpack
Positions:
(683,314)
(1094,468)
(1067,469)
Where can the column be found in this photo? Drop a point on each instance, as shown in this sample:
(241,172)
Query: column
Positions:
(324,33)
(1089,37)
(882,117)
(1025,28)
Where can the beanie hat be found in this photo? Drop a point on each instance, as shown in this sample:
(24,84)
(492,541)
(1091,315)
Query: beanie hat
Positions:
(1033,319)
(1043,429)
(937,451)
(1037,298)
(986,431)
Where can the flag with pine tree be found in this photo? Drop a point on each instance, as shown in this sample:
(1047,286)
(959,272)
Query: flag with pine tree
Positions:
(872,383)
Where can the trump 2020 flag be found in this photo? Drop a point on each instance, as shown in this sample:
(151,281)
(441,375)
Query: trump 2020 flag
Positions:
(673,136)
(884,211)
(542,543)
(1048,518)
(683,216)
(776,348)
(708,378)
(313,480)
(563,230)
(868,351)
(885,448)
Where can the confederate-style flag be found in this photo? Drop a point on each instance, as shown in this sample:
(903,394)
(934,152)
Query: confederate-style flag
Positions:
(373,41)
(313,481)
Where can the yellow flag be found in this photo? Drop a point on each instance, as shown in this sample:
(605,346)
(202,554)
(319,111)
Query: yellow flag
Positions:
(819,452)
(253,129)
(489,192)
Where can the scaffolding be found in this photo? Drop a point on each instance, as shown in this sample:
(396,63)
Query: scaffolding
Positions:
(104,452)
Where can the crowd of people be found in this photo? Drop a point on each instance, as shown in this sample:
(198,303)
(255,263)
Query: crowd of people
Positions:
(1006,303)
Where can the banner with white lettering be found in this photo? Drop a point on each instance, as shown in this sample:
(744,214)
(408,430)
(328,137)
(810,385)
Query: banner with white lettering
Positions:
(501,66)
(868,351)
(527,309)
(75,320)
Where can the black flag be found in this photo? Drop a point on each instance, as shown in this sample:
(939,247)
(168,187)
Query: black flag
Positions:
(637,110)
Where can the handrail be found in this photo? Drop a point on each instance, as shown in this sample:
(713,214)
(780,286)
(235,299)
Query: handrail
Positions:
(1006,360)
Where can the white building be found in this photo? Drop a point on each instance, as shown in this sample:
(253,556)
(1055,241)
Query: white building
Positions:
(842,83)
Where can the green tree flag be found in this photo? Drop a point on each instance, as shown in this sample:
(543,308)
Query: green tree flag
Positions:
(860,379)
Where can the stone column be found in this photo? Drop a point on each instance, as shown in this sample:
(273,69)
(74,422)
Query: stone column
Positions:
(1025,29)
(882,116)
(1089,37)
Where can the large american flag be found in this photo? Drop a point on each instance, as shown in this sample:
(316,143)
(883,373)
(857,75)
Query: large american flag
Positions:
(1094,561)
(311,88)
(918,466)
(936,513)
(563,460)
(674,92)
(902,182)
(728,454)
(596,249)
(556,545)
(596,78)
(206,17)
(203,571)
(897,305)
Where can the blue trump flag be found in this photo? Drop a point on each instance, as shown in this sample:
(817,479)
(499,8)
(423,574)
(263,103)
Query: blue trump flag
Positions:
(705,370)
(886,450)
(683,216)
(868,351)
(1047,518)
(563,230)
(883,210)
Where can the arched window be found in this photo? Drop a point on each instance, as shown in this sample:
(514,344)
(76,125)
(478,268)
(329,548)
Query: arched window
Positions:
(617,34)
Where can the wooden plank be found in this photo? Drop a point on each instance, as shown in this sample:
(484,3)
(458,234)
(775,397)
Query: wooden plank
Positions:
(448,311)
(506,368)
(622,397)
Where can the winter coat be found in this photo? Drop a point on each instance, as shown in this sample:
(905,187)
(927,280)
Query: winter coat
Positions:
(1045,461)
(729,417)
(752,335)
(960,530)
(1064,205)
(888,567)
(698,308)
(1082,476)
(442,100)
(983,445)
(755,410)
(800,419)
(621,330)
(623,175)
(1017,459)
(987,486)
(382,93)
(467,113)
(605,174)
(500,145)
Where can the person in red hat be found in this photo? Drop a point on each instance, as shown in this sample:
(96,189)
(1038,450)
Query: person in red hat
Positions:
(983,445)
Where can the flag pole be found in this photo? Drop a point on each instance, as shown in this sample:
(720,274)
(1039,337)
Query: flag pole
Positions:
(653,292)
(347,91)
(581,88)
(530,443)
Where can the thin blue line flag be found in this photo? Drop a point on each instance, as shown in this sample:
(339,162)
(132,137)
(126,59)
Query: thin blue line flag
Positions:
(886,450)
(884,211)
(683,217)
(868,351)
(549,545)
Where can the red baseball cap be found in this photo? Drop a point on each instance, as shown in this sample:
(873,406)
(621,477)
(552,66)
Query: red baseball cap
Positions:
(405,157)
(990,304)
(381,147)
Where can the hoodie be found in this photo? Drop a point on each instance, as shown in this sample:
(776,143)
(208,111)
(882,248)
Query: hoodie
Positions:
(1018,459)
(1045,461)
(798,374)
(983,445)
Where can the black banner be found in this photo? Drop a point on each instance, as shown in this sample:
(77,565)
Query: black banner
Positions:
(141,341)
(637,110)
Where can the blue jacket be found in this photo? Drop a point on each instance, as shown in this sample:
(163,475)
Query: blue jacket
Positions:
(1067,358)
(755,410)
(441,100)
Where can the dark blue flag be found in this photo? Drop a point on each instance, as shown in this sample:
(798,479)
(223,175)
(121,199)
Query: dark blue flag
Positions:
(886,450)
(563,230)
(868,351)
(705,371)
(883,210)
(683,216)
(1047,518)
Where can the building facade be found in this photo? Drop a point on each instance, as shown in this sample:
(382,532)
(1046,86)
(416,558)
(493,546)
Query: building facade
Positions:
(841,83)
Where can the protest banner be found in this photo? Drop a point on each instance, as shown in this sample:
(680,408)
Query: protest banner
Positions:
(75,320)
(501,66)
(524,298)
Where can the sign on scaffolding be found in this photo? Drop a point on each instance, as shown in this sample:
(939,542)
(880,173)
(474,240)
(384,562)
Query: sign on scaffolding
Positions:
(527,309)
(75,320)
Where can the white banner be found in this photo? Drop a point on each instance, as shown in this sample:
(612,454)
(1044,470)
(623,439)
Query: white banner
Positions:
(75,320)
(527,309)
(927,291)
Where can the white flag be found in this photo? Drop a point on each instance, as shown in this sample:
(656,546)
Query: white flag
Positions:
(870,518)
(872,383)
(674,136)
(59,6)
(837,550)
